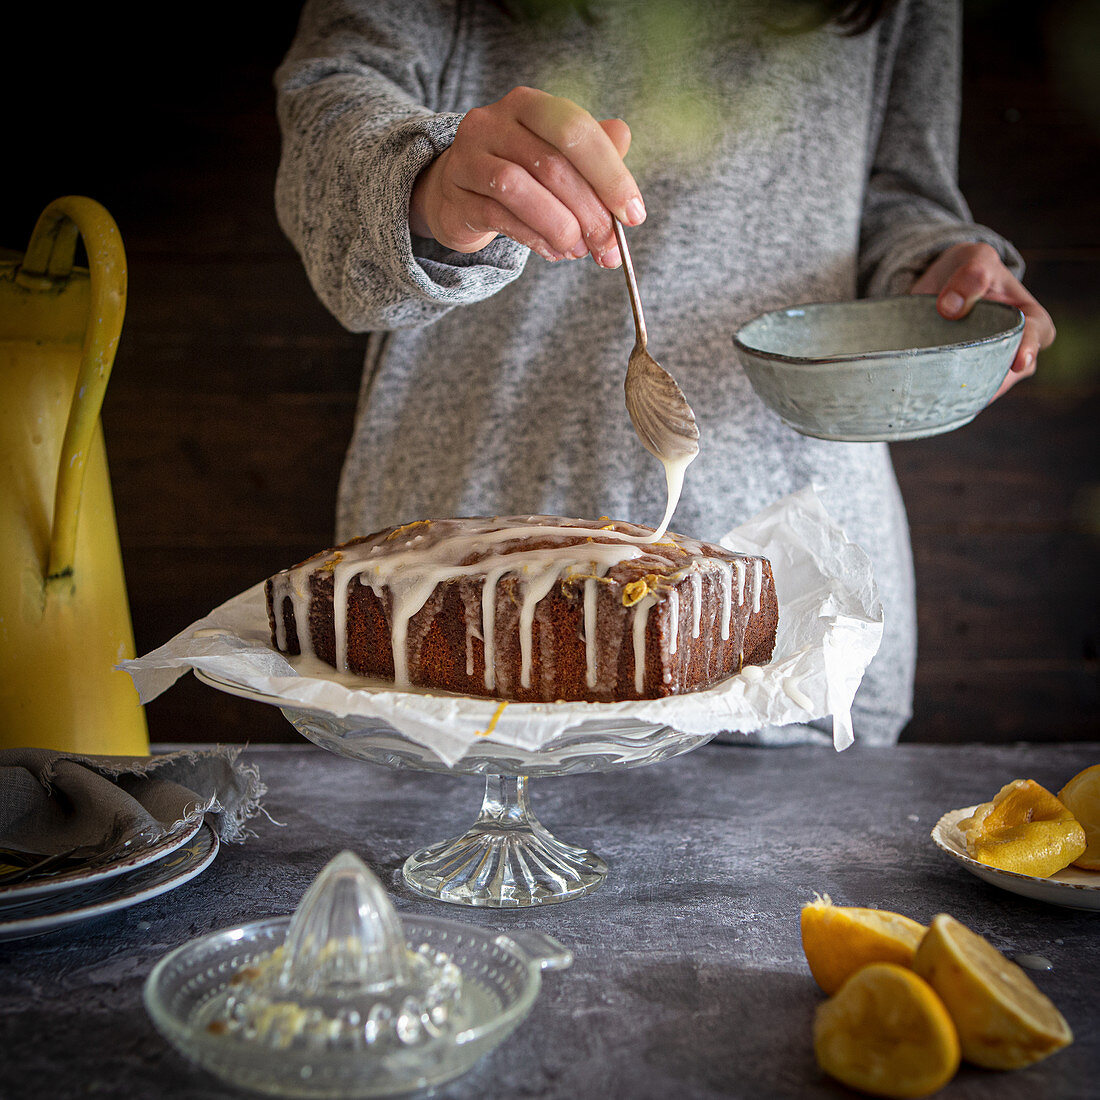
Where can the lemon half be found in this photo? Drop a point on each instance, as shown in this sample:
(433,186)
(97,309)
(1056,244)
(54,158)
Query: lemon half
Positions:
(887,1033)
(1081,796)
(1003,1020)
(838,940)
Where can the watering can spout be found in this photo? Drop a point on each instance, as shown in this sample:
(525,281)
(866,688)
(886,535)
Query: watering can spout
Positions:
(64,615)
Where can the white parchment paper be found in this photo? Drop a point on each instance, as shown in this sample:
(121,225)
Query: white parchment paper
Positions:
(830,626)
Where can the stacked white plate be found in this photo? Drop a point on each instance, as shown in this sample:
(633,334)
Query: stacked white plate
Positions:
(51,901)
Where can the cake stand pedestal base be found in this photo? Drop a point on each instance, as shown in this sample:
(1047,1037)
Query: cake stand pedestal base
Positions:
(506,860)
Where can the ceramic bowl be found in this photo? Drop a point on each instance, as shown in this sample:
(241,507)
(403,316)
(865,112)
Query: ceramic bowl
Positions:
(878,369)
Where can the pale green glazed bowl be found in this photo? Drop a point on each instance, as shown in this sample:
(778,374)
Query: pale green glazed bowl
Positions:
(878,369)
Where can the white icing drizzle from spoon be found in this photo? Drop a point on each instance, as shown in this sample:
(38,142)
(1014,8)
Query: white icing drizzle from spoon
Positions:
(471,635)
(697,603)
(674,485)
(727,598)
(641,619)
(795,693)
(489,624)
(533,591)
(591,597)
(297,591)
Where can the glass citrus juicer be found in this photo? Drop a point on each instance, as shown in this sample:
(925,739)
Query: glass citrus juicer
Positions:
(346,998)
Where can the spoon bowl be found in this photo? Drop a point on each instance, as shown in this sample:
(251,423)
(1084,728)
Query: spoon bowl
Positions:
(658,409)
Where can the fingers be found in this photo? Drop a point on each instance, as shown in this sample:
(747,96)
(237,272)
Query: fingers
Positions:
(539,187)
(463,211)
(586,144)
(537,168)
(1010,380)
(966,273)
(1039,333)
(1027,354)
(967,284)
(487,216)
(983,275)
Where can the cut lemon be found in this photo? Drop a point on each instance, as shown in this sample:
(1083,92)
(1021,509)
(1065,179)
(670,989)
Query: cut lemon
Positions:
(1003,1020)
(838,940)
(886,1032)
(1024,829)
(1081,796)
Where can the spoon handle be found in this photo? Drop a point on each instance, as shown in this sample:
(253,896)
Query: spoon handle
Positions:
(631,283)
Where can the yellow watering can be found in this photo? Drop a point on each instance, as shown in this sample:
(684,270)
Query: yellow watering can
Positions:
(64,615)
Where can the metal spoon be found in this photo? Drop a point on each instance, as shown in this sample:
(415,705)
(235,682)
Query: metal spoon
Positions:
(658,409)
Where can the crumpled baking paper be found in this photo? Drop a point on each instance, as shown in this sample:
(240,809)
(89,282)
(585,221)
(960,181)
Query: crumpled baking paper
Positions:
(830,626)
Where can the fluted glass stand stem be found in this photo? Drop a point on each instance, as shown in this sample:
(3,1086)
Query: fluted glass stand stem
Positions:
(507,859)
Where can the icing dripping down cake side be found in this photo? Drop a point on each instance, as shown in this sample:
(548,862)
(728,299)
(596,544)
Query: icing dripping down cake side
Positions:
(529,608)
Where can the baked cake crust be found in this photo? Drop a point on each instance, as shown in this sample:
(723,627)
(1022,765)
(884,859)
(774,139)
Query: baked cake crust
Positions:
(573,609)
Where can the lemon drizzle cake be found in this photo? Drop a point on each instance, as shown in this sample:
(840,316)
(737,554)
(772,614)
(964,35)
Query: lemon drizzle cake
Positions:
(529,608)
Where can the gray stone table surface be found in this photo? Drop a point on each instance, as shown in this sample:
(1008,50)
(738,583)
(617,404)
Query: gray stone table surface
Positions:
(689,979)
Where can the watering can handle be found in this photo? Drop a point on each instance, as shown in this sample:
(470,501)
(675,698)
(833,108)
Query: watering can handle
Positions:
(49,257)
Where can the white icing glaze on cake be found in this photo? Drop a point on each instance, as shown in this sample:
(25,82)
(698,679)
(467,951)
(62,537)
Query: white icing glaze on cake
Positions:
(405,566)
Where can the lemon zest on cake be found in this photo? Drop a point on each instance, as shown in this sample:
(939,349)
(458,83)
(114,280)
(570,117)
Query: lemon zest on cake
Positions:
(639,589)
(406,527)
(329,565)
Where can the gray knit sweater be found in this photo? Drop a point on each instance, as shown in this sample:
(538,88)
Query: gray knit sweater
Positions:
(776,169)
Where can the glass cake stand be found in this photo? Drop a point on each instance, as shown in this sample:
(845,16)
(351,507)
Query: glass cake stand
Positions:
(507,859)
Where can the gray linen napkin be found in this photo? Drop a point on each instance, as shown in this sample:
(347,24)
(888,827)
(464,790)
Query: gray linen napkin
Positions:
(51,802)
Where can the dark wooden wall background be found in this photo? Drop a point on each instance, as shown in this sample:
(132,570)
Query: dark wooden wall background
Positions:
(233,390)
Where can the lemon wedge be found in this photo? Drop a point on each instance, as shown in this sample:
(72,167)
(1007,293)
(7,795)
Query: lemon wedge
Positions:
(1081,796)
(1024,829)
(838,940)
(887,1033)
(1003,1020)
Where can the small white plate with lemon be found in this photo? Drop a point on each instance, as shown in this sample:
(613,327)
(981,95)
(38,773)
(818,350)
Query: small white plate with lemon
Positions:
(1070,887)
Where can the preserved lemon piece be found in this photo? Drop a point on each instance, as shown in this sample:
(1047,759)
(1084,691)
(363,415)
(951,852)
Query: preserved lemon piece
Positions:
(1081,796)
(1024,829)
(887,1033)
(838,940)
(1003,1020)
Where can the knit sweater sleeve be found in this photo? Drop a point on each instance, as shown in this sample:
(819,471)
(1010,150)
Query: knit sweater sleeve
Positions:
(913,209)
(361,110)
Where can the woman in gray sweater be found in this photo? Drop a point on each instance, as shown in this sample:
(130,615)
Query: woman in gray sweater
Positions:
(430,147)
